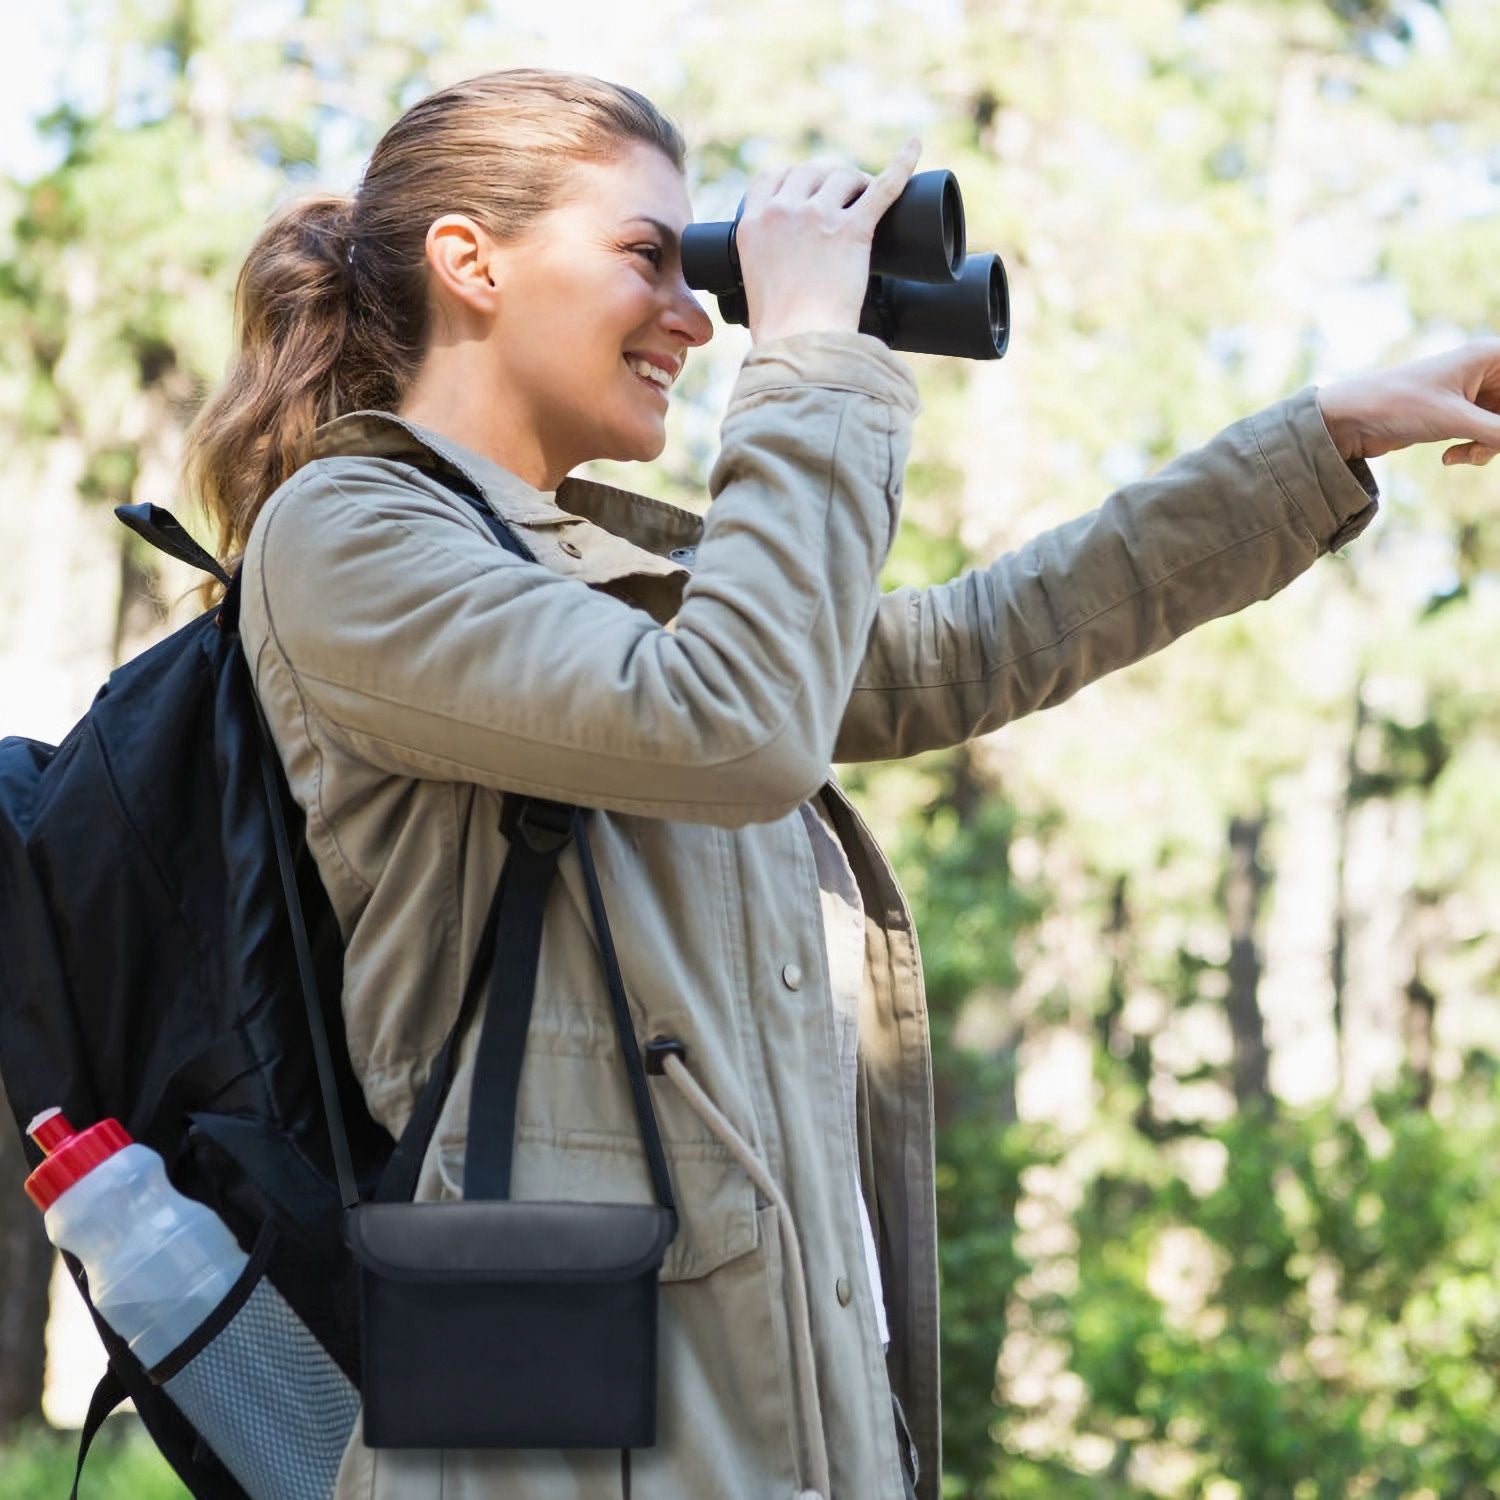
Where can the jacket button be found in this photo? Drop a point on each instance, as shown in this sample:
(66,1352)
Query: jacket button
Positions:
(791,977)
(844,1291)
(571,548)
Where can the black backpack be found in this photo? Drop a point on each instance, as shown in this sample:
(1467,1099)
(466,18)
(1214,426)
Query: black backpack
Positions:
(149,971)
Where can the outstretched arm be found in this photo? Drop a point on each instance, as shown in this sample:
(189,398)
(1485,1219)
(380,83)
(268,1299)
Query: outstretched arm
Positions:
(1214,530)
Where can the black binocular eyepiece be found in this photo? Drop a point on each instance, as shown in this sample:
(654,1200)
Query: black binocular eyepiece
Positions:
(925,294)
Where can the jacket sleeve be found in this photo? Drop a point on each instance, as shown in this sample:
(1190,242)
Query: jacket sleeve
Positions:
(1211,532)
(428,651)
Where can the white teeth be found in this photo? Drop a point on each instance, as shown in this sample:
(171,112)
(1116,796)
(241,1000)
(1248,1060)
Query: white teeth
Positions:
(650,371)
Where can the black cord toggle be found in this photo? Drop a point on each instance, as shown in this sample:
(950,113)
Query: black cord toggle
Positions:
(659,1048)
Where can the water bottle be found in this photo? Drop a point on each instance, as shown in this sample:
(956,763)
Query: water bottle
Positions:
(158,1263)
(263,1393)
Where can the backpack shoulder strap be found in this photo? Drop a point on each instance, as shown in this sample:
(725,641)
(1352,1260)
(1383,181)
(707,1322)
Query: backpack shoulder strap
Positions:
(108,1394)
(163,530)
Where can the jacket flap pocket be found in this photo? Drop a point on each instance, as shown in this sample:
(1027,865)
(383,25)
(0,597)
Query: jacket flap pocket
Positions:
(527,1241)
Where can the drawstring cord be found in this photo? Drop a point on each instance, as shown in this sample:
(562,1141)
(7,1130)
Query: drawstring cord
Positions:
(814,1439)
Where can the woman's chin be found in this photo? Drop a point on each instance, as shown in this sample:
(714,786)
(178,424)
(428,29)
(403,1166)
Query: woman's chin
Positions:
(638,441)
(644,446)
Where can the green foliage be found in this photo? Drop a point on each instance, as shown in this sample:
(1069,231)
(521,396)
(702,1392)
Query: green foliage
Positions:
(978,1187)
(1345,1334)
(123,1465)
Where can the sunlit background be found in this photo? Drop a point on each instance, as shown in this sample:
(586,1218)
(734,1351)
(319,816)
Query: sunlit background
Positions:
(1209,1229)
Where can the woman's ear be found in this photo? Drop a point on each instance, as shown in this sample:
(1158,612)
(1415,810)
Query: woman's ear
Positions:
(463,260)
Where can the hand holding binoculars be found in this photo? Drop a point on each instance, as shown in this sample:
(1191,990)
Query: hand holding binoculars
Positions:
(925,295)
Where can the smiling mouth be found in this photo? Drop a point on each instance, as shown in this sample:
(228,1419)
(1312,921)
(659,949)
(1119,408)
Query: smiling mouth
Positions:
(660,390)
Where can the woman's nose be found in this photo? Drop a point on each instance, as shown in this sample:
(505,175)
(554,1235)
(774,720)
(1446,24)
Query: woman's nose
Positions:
(689,318)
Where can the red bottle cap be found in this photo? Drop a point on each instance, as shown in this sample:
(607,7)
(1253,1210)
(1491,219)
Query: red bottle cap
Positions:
(70,1154)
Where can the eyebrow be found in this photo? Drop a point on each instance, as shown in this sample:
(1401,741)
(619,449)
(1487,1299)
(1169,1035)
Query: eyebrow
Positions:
(664,230)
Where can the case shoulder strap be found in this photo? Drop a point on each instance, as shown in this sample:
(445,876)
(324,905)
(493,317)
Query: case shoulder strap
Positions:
(537,831)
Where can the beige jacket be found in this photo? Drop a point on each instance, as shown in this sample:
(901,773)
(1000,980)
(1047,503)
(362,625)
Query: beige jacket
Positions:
(693,680)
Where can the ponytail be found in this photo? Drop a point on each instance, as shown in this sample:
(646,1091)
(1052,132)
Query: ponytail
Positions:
(291,326)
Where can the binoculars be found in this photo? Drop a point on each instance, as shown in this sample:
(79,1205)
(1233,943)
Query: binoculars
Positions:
(925,294)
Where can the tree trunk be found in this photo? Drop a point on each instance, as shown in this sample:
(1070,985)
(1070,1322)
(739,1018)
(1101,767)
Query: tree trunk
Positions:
(1418,1019)
(1338,958)
(1421,1007)
(25,1270)
(1243,889)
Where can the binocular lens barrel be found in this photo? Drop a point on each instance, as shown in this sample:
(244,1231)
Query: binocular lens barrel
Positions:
(968,319)
(921,236)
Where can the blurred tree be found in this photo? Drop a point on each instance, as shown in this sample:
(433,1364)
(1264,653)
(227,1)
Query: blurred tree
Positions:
(25,1269)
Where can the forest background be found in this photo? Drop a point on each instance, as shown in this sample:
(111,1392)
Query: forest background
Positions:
(1211,950)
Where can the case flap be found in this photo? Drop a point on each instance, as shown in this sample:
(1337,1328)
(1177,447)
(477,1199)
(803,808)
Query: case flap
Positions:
(502,1239)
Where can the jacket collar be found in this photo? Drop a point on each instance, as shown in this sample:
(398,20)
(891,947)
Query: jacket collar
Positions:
(606,536)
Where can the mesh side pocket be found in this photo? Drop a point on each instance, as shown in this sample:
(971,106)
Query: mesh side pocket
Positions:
(270,1401)
(261,1391)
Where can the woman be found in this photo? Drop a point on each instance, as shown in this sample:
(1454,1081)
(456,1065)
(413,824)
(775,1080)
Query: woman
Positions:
(503,299)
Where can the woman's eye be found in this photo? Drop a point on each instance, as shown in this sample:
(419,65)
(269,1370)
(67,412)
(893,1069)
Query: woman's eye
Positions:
(652,252)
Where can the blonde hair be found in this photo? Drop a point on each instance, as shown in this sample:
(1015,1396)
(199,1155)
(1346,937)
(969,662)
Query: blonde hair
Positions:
(331,307)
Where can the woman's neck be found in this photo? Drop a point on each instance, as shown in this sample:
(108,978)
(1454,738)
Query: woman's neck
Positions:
(452,396)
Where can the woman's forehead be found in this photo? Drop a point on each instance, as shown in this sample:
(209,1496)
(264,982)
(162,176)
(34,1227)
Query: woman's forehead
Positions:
(639,183)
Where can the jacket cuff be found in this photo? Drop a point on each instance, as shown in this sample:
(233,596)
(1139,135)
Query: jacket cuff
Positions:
(1337,499)
(841,360)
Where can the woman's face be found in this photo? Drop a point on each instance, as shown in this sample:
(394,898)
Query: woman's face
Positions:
(595,281)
